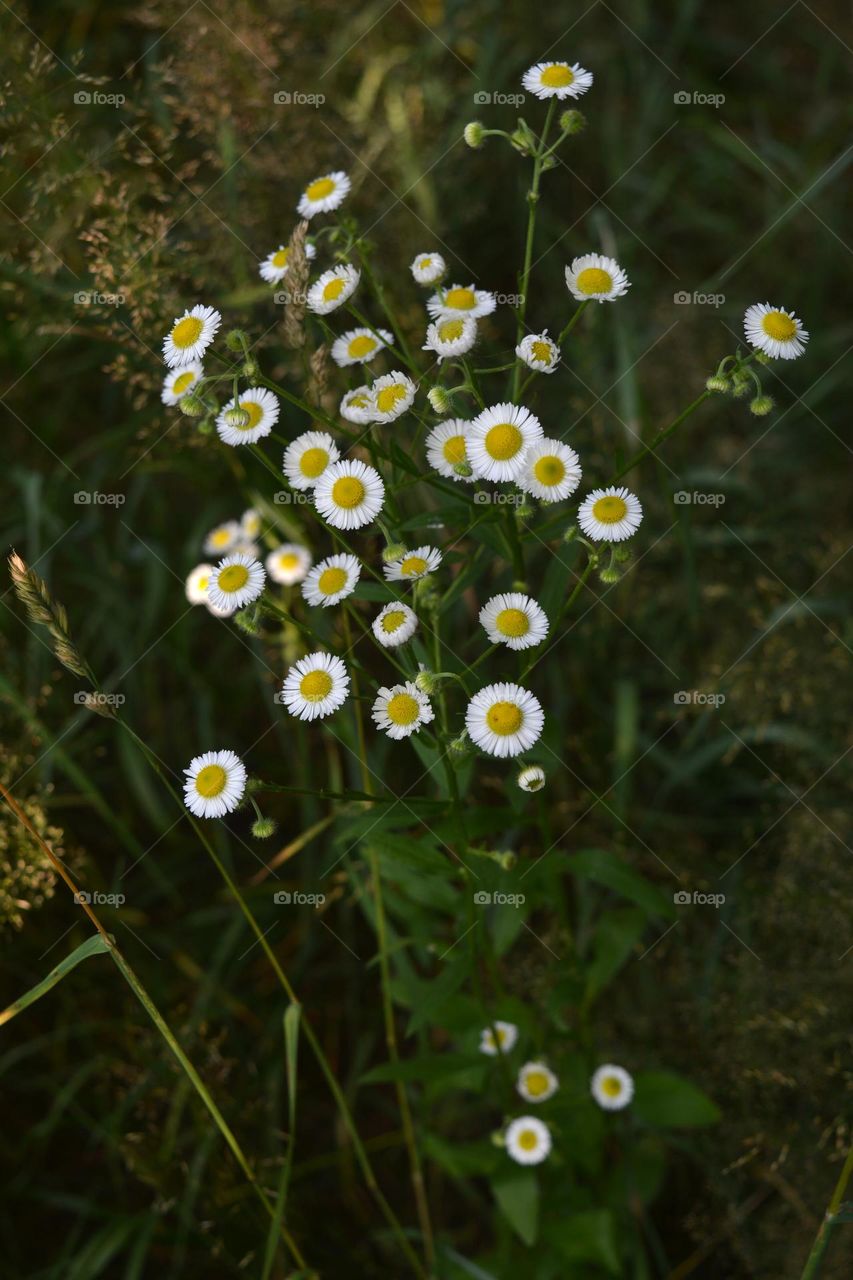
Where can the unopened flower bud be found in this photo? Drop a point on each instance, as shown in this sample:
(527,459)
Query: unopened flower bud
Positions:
(474,134)
(237,417)
(235,339)
(524,511)
(610,575)
(459,746)
(393,552)
(571,533)
(718,383)
(251,370)
(761,406)
(427,681)
(263,828)
(247,620)
(192,406)
(622,554)
(439,399)
(572,122)
(462,469)
(521,141)
(205,428)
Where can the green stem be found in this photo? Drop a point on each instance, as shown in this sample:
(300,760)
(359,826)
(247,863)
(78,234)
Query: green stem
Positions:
(821,1243)
(532,204)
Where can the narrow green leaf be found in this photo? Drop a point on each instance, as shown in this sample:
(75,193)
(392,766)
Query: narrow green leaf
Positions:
(291,1048)
(517,1196)
(96,945)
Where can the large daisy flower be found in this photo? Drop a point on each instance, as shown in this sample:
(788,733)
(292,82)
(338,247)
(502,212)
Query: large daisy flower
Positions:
(190,335)
(331,580)
(776,332)
(288,564)
(451,336)
(197,583)
(358,346)
(332,289)
(428,268)
(504,719)
(180,381)
(551,472)
(357,406)
(324,194)
(307,457)
(507,1036)
(536,1082)
(610,515)
(349,494)
(401,709)
(461,300)
(394,625)
(612,1087)
(498,439)
(262,409)
(515,620)
(539,352)
(527,1140)
(557,80)
(215,784)
(223,538)
(273,269)
(413,564)
(236,581)
(392,395)
(595,277)
(445,449)
(315,686)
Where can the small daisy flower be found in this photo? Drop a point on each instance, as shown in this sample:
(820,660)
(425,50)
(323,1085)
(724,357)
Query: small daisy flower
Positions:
(451,336)
(612,1087)
(595,277)
(250,523)
(197,583)
(215,784)
(445,449)
(536,1082)
(507,1036)
(557,80)
(504,719)
(332,289)
(527,1140)
(219,613)
(539,352)
(358,346)
(324,194)
(401,709)
(551,472)
(357,406)
(181,380)
(223,538)
(349,494)
(315,686)
(610,515)
(428,268)
(392,395)
(531,778)
(307,457)
(498,440)
(776,332)
(245,547)
(395,625)
(515,620)
(413,564)
(461,300)
(263,409)
(288,564)
(190,335)
(331,580)
(236,581)
(273,269)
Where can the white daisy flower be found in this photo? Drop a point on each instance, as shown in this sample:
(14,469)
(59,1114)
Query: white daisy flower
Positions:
(504,719)
(451,336)
(223,538)
(331,580)
(197,583)
(349,494)
(445,449)
(358,346)
(557,80)
(610,515)
(180,381)
(307,457)
(539,352)
(315,686)
(392,395)
(332,289)
(401,709)
(394,625)
(461,300)
(551,472)
(236,581)
(263,409)
(273,269)
(515,620)
(324,194)
(245,547)
(531,778)
(190,335)
(413,564)
(357,406)
(250,522)
(775,331)
(527,1140)
(219,613)
(288,564)
(215,784)
(498,440)
(536,1082)
(595,277)
(507,1036)
(428,268)
(612,1087)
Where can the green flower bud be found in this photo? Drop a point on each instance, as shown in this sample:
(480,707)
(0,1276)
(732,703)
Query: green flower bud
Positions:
(192,406)
(393,552)
(427,682)
(263,828)
(251,370)
(247,620)
(571,533)
(205,428)
(610,575)
(474,135)
(462,469)
(439,399)
(235,339)
(718,383)
(761,406)
(237,417)
(572,122)
(459,746)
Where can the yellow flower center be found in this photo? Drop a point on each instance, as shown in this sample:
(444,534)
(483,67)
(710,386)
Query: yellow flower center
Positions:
(557,77)
(254,411)
(233,577)
(424,263)
(320,188)
(347,492)
(504,718)
(512,622)
(779,326)
(183,381)
(210,781)
(503,441)
(460,299)
(541,351)
(187,331)
(220,537)
(612,1086)
(393,621)
(450,330)
(593,280)
(549,470)
(315,686)
(288,560)
(536,1083)
(402,709)
(361,346)
(332,580)
(204,582)
(333,289)
(454,450)
(609,510)
(279,258)
(413,565)
(389,397)
(528,1140)
(313,463)
(358,402)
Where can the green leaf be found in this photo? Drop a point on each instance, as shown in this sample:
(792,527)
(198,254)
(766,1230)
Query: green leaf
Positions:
(615,938)
(517,1196)
(96,945)
(665,1099)
(590,1236)
(607,869)
(291,1048)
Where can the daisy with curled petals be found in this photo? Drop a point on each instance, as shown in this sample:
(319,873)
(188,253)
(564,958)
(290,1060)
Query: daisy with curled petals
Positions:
(223,538)
(236,581)
(551,472)
(527,1140)
(451,336)
(288,564)
(248,418)
(331,580)
(392,395)
(536,1082)
(515,620)
(776,332)
(357,406)
(539,352)
(215,784)
(306,458)
(273,269)
(401,709)
(461,300)
(180,381)
(612,1087)
(504,719)
(413,564)
(531,778)
(349,494)
(190,335)
(428,268)
(557,80)
(394,625)
(498,439)
(197,583)
(596,278)
(610,515)
(358,346)
(324,194)
(332,289)
(445,449)
(315,686)
(507,1033)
